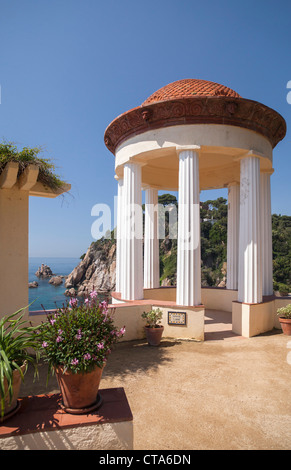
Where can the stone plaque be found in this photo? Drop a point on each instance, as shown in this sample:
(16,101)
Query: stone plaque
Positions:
(177,318)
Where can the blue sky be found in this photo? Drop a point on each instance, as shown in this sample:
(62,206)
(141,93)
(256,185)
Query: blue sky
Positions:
(69,67)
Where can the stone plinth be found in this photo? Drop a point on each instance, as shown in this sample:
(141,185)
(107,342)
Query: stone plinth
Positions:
(41,424)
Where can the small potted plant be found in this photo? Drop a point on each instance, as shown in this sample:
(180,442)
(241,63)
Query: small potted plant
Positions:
(76,341)
(285,319)
(153,329)
(17,350)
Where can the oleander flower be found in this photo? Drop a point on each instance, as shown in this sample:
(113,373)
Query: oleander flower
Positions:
(73,302)
(79,336)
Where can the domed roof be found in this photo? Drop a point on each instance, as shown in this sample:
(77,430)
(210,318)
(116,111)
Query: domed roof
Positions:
(193,101)
(189,88)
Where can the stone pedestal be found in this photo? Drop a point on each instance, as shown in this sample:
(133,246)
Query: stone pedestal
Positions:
(41,424)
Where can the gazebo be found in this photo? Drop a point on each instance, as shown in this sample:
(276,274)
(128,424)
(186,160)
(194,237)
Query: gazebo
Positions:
(188,136)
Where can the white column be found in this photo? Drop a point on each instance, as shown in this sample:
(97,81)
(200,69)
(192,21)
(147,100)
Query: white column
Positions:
(250,276)
(266,233)
(119,243)
(151,241)
(232,236)
(132,286)
(188,257)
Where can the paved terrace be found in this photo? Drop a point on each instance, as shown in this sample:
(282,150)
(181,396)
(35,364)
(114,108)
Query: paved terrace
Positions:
(227,392)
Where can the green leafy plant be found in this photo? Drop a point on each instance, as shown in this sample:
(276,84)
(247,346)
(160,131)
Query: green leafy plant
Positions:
(27,156)
(153,317)
(17,347)
(78,336)
(285,312)
(282,288)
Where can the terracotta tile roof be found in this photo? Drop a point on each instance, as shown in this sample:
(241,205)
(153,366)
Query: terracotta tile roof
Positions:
(190,88)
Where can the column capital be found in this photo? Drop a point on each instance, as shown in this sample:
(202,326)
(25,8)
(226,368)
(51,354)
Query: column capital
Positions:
(119,179)
(232,183)
(135,160)
(250,154)
(267,171)
(150,186)
(183,148)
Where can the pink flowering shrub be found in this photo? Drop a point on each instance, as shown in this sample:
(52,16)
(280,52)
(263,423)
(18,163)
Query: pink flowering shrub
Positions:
(80,336)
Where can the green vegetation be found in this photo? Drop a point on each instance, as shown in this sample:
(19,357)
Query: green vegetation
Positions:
(153,317)
(214,246)
(213,219)
(27,156)
(16,342)
(281,235)
(213,242)
(285,312)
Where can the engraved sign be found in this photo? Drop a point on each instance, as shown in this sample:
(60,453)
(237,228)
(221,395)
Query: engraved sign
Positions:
(177,318)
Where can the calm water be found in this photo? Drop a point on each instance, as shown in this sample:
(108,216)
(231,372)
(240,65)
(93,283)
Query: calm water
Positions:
(47,294)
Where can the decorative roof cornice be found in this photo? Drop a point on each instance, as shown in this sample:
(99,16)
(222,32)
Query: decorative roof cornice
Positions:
(225,110)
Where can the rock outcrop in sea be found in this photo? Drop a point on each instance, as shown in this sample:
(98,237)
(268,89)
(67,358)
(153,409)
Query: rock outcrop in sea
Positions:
(33,285)
(56,280)
(44,271)
(96,270)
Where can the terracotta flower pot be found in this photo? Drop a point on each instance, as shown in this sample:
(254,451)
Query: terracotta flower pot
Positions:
(10,408)
(154,335)
(286,325)
(79,391)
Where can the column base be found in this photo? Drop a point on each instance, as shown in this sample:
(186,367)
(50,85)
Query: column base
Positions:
(252,319)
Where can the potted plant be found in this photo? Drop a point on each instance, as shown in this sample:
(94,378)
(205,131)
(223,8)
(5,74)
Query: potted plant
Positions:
(76,341)
(153,329)
(17,350)
(285,319)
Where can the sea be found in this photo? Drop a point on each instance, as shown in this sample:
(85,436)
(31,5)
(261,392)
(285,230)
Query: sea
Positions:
(47,295)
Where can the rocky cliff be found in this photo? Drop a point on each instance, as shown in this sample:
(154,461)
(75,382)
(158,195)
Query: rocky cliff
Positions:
(98,265)
(96,270)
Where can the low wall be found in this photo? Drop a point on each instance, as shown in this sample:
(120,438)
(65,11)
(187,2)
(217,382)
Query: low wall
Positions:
(129,316)
(253,319)
(194,323)
(213,298)
(248,319)
(218,298)
(167,294)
